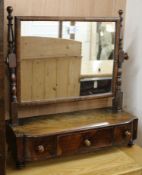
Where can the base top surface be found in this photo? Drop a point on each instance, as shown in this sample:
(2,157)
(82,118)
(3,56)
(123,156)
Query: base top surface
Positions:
(58,123)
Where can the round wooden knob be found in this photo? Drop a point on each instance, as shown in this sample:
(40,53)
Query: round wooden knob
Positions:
(126,57)
(40,149)
(87,142)
(128,134)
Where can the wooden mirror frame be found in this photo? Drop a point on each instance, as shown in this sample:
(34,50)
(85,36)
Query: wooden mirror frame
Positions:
(18,21)
(27,108)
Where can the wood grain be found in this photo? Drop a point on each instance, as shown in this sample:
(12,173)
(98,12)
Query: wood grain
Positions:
(134,153)
(70,133)
(38,82)
(50,68)
(67,8)
(118,163)
(45,47)
(62,77)
(26,82)
(70,121)
(117,5)
(73,79)
(26,110)
(50,78)
(106,8)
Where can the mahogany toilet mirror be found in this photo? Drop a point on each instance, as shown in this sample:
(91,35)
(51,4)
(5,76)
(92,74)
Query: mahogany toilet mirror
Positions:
(65,71)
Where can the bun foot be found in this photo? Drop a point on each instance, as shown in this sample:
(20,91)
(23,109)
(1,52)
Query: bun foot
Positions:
(131,143)
(20,165)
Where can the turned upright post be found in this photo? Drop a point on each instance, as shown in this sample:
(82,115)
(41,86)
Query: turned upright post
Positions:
(11,60)
(118,99)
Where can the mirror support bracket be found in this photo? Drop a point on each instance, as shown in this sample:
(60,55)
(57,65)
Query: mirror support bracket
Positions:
(118,99)
(11,61)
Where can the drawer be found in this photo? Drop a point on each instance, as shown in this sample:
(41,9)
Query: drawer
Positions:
(123,134)
(40,148)
(84,141)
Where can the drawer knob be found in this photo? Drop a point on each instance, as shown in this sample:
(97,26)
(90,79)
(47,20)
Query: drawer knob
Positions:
(128,134)
(87,142)
(40,149)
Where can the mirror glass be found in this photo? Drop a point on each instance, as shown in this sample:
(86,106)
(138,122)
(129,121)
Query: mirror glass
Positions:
(61,59)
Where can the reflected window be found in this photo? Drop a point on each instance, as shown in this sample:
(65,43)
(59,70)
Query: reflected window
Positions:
(97,38)
(40,28)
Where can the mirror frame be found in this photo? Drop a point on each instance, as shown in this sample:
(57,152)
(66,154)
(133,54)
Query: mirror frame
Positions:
(19,19)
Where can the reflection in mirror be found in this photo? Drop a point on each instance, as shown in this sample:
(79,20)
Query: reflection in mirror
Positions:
(66,59)
(40,28)
(97,38)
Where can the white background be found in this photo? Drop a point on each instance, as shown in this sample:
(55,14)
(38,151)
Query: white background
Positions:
(132,69)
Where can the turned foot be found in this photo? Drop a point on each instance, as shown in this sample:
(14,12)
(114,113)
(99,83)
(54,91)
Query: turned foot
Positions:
(20,165)
(131,143)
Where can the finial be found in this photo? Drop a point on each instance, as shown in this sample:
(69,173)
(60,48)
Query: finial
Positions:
(121,17)
(10,17)
(120,12)
(9,9)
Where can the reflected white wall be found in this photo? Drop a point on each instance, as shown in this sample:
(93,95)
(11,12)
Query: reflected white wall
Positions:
(40,28)
(132,69)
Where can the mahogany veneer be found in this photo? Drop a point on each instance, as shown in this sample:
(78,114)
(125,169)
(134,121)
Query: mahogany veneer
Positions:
(71,133)
(32,137)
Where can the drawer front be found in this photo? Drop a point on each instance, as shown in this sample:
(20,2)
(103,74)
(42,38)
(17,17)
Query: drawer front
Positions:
(123,134)
(40,148)
(84,141)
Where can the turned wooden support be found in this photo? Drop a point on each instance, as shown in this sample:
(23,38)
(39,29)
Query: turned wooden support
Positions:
(120,59)
(11,61)
(122,55)
(118,99)
(10,30)
(11,58)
